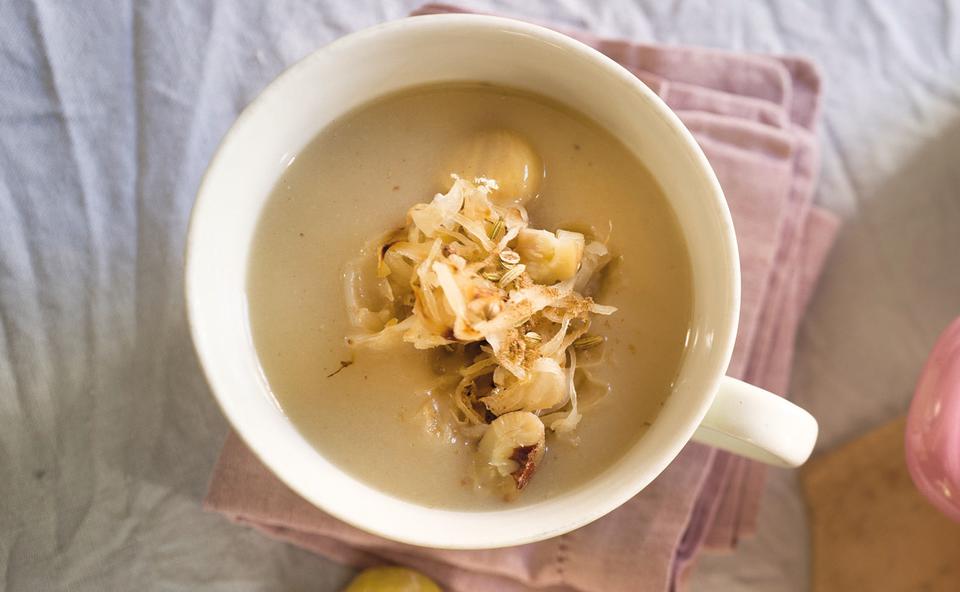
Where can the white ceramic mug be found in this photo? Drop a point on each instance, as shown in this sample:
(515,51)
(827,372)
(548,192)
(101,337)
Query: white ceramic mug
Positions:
(705,405)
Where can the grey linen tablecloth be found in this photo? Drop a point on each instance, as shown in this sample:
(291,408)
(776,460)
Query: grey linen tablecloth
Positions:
(109,112)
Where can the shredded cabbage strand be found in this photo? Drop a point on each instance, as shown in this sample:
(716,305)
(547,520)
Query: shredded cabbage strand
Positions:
(512,301)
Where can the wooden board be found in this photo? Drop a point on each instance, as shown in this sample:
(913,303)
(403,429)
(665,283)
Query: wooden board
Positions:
(870,528)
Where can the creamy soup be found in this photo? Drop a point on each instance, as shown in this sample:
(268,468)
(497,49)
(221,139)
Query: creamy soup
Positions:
(364,409)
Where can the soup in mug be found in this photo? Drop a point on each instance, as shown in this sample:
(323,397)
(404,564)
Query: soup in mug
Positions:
(467,296)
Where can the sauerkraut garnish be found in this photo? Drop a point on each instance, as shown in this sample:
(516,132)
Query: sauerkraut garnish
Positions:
(469,275)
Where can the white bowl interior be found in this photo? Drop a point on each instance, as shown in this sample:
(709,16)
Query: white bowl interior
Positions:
(357,69)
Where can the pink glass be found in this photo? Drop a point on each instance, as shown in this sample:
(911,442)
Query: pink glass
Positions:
(933,426)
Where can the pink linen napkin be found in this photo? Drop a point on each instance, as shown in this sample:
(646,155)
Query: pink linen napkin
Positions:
(755,118)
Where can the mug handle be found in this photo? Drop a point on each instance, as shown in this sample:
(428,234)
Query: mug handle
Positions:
(751,422)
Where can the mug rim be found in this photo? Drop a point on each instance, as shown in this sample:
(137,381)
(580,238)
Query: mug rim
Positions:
(424,24)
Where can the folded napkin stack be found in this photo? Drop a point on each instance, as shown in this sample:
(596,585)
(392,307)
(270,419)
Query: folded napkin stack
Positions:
(755,118)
